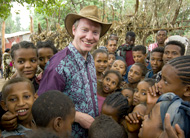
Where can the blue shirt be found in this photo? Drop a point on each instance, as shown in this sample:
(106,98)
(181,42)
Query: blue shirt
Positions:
(69,72)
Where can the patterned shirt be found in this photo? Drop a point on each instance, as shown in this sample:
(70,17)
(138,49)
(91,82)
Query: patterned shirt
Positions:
(152,46)
(69,72)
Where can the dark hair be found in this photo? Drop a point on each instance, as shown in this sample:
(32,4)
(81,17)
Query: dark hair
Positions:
(182,64)
(163,30)
(46,44)
(130,33)
(105,127)
(114,72)
(110,39)
(99,51)
(140,48)
(23,44)
(179,44)
(150,81)
(7,50)
(6,87)
(142,67)
(41,133)
(131,89)
(118,101)
(50,105)
(121,59)
(158,49)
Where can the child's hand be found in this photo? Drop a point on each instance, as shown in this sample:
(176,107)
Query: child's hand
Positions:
(133,122)
(9,121)
(154,90)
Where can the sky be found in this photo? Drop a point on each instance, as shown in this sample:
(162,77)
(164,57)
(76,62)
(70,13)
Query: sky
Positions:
(23,13)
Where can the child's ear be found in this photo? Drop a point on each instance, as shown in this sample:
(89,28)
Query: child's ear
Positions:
(58,124)
(3,105)
(187,91)
(35,96)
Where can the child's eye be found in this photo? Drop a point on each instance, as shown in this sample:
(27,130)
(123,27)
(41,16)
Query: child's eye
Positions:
(33,60)
(98,61)
(143,93)
(107,79)
(12,99)
(41,59)
(105,61)
(113,83)
(21,61)
(26,96)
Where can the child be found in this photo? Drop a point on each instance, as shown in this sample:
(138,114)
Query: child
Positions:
(153,124)
(128,93)
(105,127)
(176,77)
(140,95)
(54,110)
(136,73)
(156,62)
(18,95)
(139,56)
(24,56)
(101,62)
(111,81)
(114,36)
(116,106)
(45,51)
(111,59)
(111,45)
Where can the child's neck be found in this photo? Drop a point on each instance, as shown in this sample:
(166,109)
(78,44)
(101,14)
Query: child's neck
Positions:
(28,123)
(99,75)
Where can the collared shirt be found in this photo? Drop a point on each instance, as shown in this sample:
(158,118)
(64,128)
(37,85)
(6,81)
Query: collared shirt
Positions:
(69,72)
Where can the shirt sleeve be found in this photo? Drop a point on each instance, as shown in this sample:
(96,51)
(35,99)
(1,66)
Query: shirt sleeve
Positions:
(51,80)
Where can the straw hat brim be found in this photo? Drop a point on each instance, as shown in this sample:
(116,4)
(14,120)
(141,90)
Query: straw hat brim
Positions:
(71,18)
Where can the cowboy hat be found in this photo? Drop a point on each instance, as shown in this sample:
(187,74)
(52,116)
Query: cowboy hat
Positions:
(88,12)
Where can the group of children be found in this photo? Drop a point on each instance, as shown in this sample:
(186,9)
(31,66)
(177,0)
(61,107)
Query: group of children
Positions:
(133,100)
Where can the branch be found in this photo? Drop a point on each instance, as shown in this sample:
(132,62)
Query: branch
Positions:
(176,13)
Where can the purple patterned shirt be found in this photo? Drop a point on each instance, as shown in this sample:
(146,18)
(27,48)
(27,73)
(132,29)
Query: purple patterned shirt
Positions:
(69,72)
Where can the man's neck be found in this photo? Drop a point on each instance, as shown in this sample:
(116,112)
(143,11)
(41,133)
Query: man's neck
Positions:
(161,44)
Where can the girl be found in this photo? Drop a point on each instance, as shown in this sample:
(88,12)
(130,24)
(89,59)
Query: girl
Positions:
(116,106)
(128,93)
(45,51)
(24,56)
(140,95)
(111,59)
(111,81)
(136,73)
(101,62)
(121,66)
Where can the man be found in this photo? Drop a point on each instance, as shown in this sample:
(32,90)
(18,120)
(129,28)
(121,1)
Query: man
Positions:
(72,70)
(125,50)
(160,39)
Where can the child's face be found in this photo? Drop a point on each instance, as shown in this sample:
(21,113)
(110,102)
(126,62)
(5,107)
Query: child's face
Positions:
(110,111)
(135,74)
(170,52)
(111,59)
(20,99)
(112,46)
(171,82)
(25,62)
(151,126)
(119,66)
(110,83)
(140,95)
(44,54)
(156,61)
(101,62)
(129,95)
(130,40)
(139,57)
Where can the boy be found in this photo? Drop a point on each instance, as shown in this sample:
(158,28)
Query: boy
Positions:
(18,95)
(105,127)
(156,61)
(139,56)
(55,111)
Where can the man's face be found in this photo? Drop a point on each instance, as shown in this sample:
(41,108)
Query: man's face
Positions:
(130,40)
(170,52)
(86,35)
(161,37)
